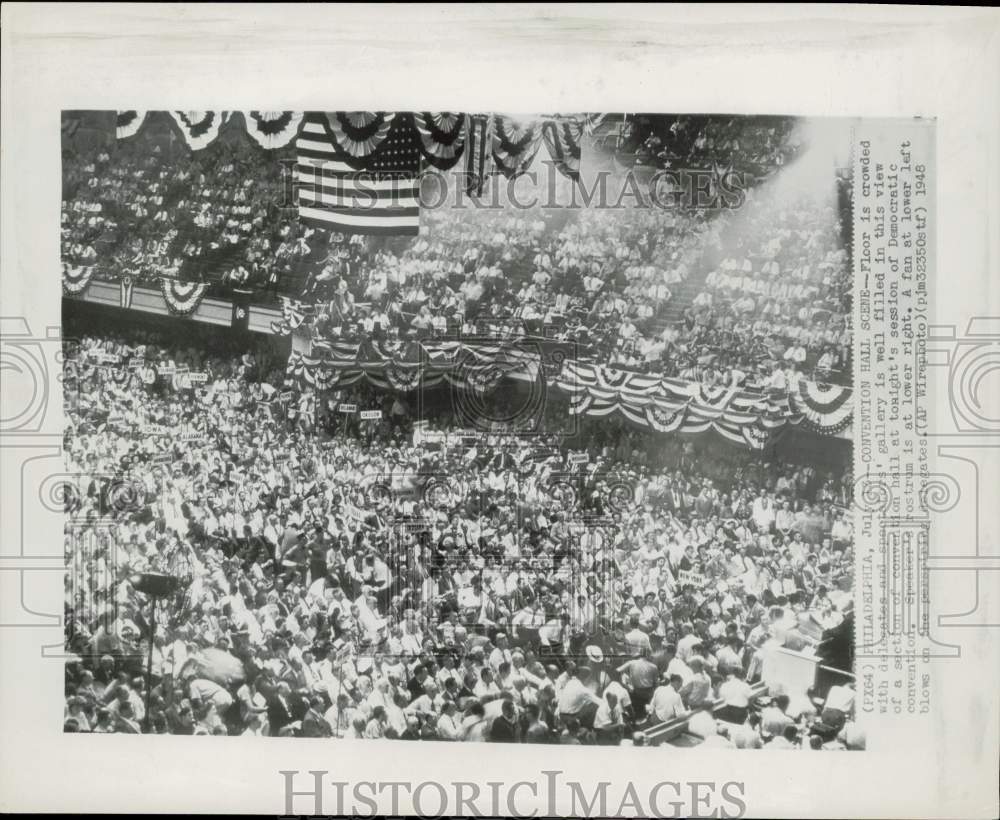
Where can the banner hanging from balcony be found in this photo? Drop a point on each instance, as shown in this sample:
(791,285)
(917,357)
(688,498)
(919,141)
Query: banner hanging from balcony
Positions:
(742,415)
(182,298)
(75,280)
(678,405)
(824,407)
(408,365)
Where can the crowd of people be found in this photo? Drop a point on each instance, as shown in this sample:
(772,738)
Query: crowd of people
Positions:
(768,302)
(143,211)
(777,305)
(757,295)
(596,279)
(759,145)
(373,578)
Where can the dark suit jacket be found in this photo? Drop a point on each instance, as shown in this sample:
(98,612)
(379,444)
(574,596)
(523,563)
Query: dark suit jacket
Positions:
(279,714)
(503,731)
(315,725)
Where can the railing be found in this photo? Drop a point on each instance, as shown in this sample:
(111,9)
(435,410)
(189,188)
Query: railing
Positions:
(668,730)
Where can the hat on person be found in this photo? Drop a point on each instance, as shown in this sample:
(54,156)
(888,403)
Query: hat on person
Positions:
(594,654)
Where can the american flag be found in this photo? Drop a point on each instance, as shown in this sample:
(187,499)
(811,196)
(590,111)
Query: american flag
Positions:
(381,198)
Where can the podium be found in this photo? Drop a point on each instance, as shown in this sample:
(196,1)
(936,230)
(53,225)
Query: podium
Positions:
(788,671)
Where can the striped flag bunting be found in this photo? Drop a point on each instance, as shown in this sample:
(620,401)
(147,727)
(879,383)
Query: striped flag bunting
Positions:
(126,289)
(591,122)
(182,298)
(75,280)
(387,143)
(199,128)
(825,407)
(358,134)
(515,145)
(442,137)
(128,123)
(292,315)
(667,405)
(272,129)
(478,153)
(562,139)
(379,197)
(664,404)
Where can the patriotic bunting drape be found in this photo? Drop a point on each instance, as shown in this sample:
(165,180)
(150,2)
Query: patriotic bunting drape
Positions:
(356,135)
(292,316)
(824,408)
(478,152)
(751,417)
(182,298)
(272,129)
(590,122)
(667,405)
(514,145)
(75,280)
(126,289)
(442,137)
(356,138)
(199,128)
(562,139)
(405,366)
(128,123)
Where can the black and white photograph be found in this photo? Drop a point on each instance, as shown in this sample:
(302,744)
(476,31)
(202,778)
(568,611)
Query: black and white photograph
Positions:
(466,427)
(519,381)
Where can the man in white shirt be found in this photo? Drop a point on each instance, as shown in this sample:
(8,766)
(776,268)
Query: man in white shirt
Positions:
(576,700)
(608,722)
(500,654)
(839,704)
(763,512)
(736,694)
(667,703)
(635,639)
(698,689)
(447,724)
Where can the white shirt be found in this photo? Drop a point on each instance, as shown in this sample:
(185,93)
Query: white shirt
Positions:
(840,698)
(606,716)
(575,696)
(637,640)
(667,703)
(736,692)
(678,667)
